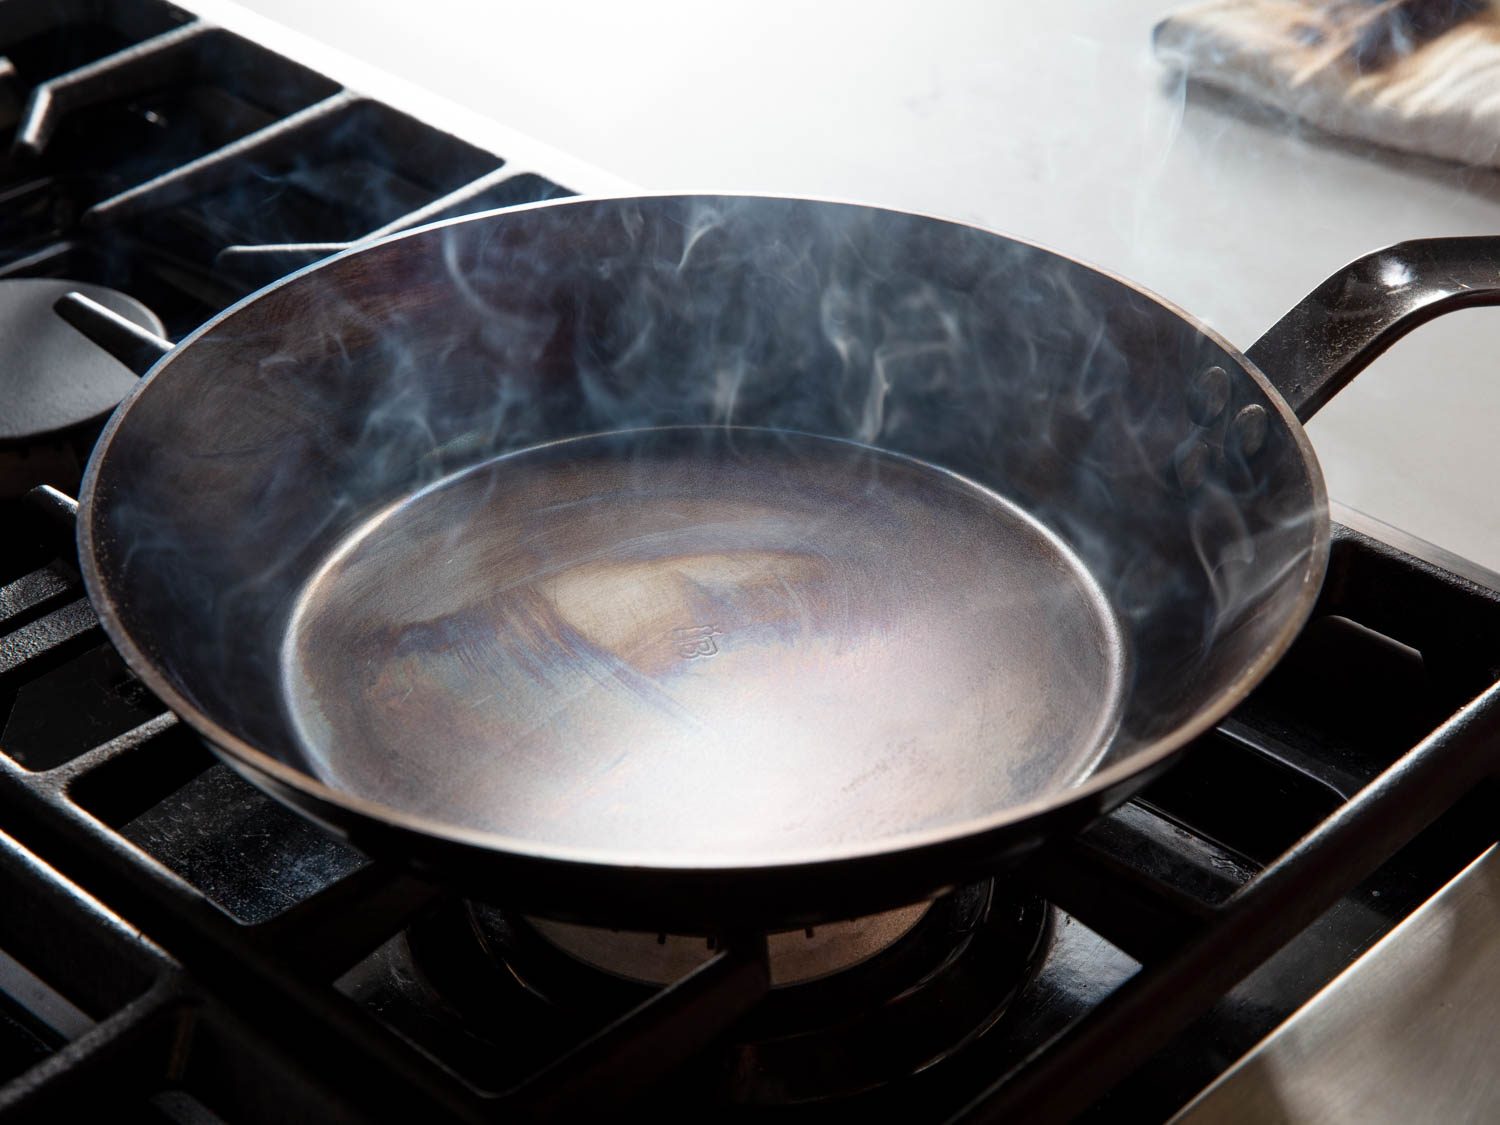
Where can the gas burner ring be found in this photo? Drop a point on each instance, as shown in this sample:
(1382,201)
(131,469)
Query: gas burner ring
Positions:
(946,973)
(796,956)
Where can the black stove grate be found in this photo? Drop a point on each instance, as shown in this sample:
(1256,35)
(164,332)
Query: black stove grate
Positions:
(145,150)
(263,917)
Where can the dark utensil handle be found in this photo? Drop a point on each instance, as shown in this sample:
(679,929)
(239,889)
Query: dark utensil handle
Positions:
(1343,324)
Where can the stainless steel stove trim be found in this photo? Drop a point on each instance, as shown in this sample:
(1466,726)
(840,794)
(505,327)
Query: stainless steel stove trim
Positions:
(1403,1034)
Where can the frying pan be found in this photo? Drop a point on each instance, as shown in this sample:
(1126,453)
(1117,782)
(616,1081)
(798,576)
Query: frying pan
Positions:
(704,562)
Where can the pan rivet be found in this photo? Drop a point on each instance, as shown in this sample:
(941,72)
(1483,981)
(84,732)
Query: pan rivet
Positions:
(1208,395)
(1249,428)
(1191,463)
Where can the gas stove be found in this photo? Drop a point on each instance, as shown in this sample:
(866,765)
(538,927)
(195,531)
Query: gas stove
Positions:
(179,947)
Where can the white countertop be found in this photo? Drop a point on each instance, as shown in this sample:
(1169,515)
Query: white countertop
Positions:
(1049,121)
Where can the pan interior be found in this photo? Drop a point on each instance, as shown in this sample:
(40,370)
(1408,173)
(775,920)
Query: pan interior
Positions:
(702,646)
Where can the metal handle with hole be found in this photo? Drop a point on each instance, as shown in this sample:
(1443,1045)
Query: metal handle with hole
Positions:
(1333,334)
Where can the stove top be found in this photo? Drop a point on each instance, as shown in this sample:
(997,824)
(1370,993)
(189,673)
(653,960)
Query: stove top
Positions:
(169,166)
(179,947)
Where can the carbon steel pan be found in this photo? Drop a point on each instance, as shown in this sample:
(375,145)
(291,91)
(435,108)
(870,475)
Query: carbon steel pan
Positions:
(706,563)
(733,644)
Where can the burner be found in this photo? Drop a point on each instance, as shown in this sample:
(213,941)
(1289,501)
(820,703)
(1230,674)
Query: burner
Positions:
(54,380)
(796,957)
(53,377)
(855,1006)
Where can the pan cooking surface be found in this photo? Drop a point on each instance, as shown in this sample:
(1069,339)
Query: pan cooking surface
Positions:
(702,647)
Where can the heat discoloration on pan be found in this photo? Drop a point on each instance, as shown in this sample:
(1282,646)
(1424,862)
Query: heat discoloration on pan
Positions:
(731,643)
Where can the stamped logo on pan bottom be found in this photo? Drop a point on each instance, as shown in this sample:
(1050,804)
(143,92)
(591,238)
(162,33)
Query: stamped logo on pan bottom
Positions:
(697,642)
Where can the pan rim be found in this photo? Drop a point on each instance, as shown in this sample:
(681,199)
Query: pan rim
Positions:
(260,766)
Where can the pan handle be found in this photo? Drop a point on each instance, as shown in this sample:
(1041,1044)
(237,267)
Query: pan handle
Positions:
(1333,333)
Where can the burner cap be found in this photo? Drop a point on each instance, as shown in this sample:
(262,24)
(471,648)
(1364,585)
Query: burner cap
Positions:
(51,376)
(946,972)
(797,956)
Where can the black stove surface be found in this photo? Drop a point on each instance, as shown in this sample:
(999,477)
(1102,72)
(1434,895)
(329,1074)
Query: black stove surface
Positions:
(184,166)
(178,947)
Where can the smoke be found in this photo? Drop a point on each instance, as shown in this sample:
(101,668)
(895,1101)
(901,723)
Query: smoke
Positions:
(1118,552)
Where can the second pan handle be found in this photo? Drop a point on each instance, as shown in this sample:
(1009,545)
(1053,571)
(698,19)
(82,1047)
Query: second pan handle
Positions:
(1343,324)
